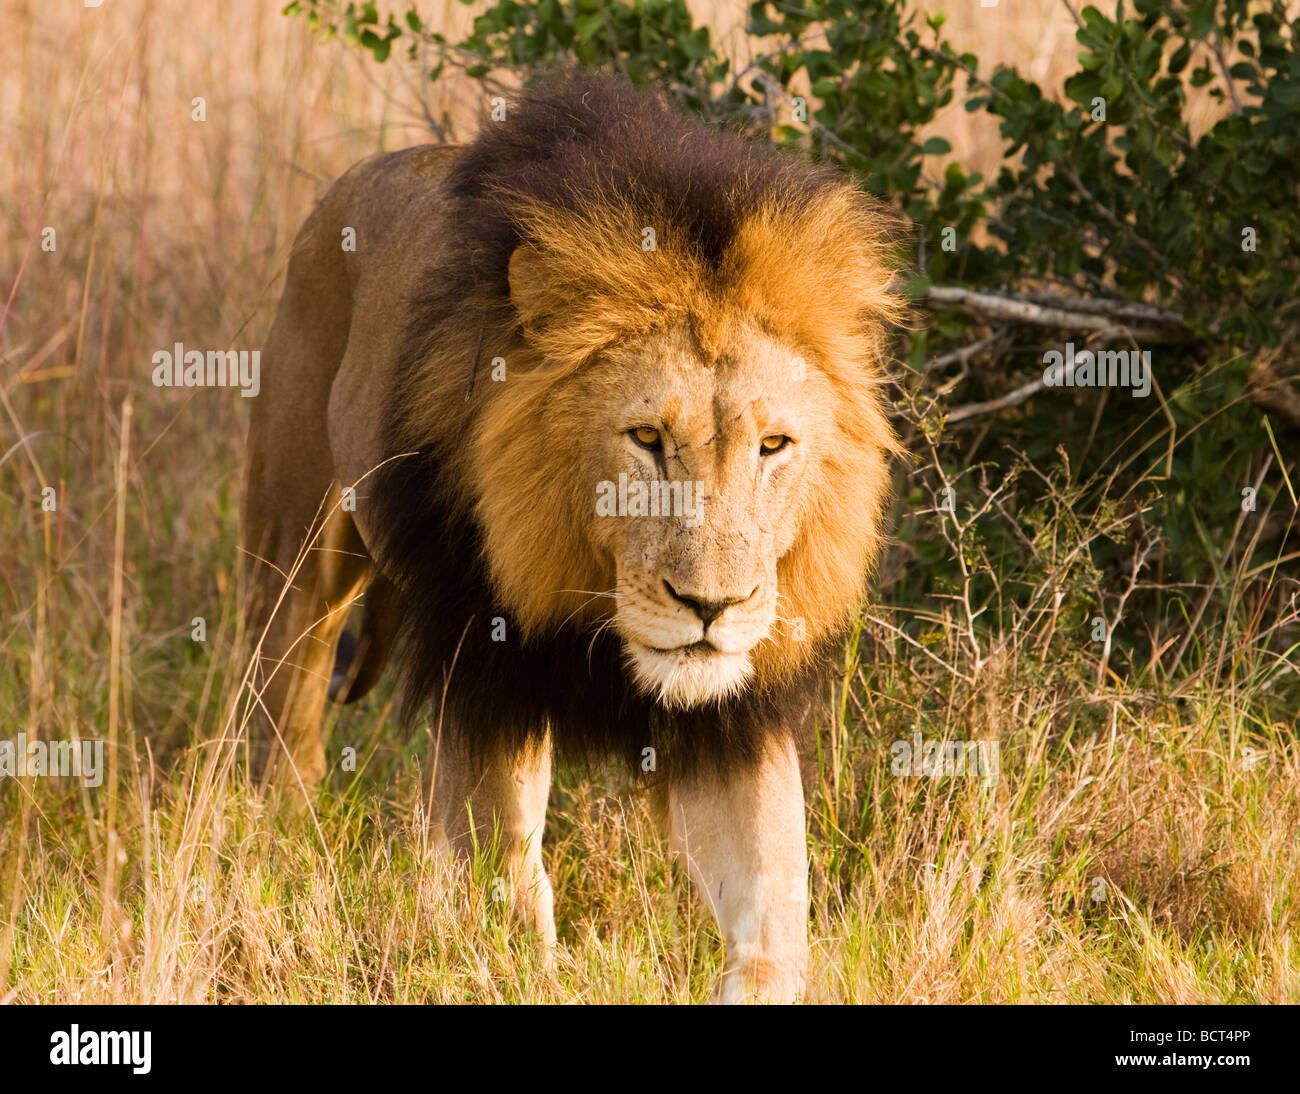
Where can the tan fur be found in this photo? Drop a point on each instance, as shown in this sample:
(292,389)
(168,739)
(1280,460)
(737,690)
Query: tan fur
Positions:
(715,352)
(815,282)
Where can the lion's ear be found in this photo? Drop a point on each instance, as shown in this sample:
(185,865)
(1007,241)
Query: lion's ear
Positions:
(530,289)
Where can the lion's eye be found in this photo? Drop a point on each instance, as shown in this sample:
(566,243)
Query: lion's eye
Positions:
(646,437)
(773,444)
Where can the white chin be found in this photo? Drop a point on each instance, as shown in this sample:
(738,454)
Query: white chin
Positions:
(688,678)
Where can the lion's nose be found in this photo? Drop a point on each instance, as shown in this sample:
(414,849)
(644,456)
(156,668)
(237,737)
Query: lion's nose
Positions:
(707,609)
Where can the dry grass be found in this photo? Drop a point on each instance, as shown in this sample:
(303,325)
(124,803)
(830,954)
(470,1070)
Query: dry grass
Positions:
(171,882)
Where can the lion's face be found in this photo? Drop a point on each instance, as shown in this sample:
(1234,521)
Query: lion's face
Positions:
(698,478)
(690,453)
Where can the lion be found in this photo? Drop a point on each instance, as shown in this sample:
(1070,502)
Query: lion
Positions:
(591,409)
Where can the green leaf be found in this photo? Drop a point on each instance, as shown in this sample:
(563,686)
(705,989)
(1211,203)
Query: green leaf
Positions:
(588,26)
(917,286)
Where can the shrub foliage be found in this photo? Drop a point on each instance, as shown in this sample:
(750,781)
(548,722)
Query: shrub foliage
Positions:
(1106,208)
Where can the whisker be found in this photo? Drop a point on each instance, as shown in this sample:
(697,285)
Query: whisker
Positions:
(579,608)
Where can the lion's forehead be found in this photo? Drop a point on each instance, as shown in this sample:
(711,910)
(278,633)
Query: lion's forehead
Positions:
(757,381)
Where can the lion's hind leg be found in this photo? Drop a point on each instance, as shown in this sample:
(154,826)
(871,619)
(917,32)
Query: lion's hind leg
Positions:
(301,591)
(360,661)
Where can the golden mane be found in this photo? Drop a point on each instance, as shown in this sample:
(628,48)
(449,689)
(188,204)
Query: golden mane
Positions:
(811,275)
(548,270)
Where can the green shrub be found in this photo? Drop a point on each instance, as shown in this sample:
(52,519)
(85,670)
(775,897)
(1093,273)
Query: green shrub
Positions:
(1105,206)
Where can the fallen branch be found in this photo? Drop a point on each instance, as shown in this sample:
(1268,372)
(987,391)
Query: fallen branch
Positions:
(1107,305)
(1101,317)
(1104,319)
(962,354)
(1012,398)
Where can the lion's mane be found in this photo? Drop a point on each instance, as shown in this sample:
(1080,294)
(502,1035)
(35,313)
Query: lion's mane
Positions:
(478,519)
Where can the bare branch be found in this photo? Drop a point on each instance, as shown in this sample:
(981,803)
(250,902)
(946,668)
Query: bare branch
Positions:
(1012,398)
(962,354)
(1105,317)
(1110,218)
(1216,47)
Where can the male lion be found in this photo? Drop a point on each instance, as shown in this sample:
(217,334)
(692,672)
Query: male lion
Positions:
(592,407)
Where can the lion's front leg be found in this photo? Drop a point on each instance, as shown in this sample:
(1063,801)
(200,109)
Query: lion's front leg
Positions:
(477,801)
(743,838)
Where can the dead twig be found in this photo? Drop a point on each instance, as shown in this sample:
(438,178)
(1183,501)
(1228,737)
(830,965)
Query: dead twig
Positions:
(1104,317)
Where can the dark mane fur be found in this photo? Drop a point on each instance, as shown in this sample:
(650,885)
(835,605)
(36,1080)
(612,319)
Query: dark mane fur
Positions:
(566,144)
(575,140)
